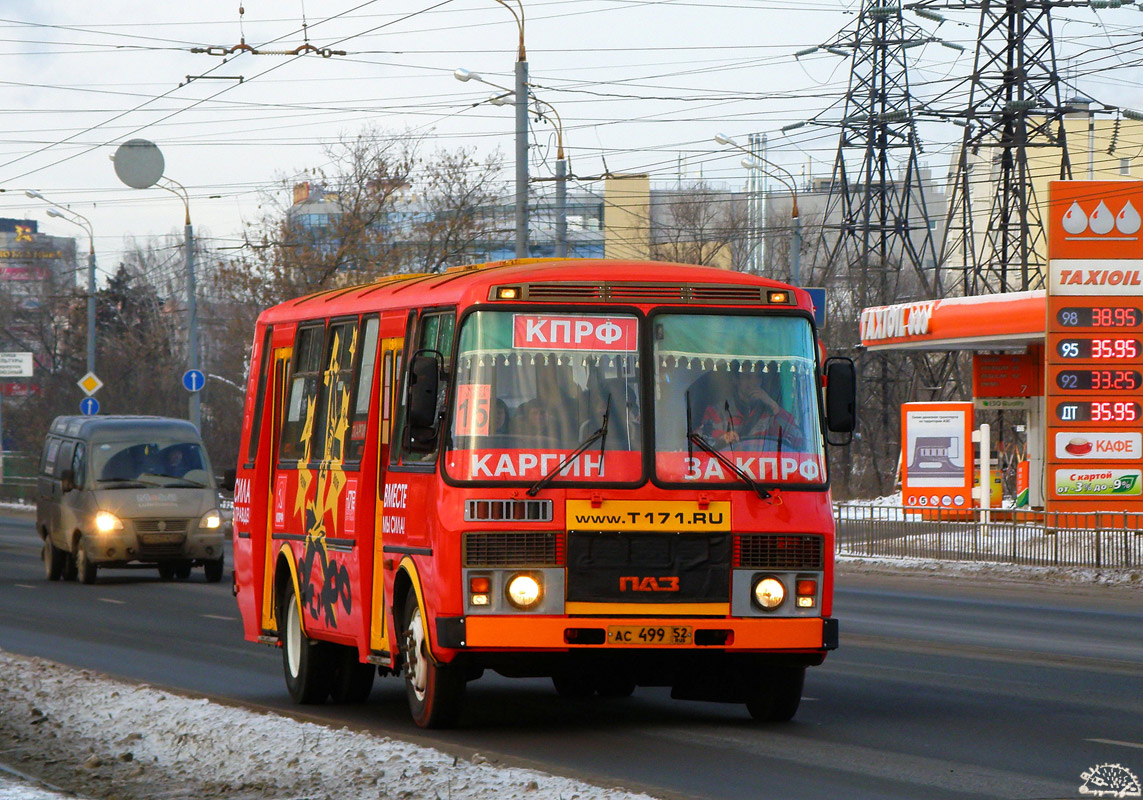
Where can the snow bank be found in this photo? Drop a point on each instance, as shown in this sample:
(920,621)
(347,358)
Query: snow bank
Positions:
(148,743)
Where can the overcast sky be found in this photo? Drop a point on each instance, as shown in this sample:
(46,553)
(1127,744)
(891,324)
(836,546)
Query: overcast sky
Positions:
(644,84)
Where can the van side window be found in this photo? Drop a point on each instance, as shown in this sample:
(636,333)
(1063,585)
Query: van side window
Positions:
(51,448)
(435,332)
(367,364)
(79,464)
(63,458)
(259,398)
(333,408)
(300,408)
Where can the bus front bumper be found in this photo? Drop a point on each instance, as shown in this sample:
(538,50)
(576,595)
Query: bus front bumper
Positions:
(564,633)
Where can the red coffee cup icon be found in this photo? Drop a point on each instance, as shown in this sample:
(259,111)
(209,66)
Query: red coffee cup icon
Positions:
(1078,446)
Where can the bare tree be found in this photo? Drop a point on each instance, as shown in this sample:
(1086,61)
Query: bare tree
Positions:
(698,225)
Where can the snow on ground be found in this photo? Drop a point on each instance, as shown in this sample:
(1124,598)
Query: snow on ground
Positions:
(105,738)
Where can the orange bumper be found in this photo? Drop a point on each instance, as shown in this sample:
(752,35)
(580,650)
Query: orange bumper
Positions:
(552,633)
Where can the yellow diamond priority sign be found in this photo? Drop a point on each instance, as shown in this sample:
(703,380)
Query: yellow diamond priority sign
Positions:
(90,384)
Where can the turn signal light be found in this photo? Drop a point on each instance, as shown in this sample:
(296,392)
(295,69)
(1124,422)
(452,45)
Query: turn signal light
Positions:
(479,591)
(806,591)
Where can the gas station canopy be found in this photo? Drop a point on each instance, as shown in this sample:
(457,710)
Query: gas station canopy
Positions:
(1009,321)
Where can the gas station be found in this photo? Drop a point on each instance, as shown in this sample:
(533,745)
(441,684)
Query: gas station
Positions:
(1070,358)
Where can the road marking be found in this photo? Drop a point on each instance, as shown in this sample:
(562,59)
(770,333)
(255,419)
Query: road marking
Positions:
(26,586)
(216,616)
(1136,745)
(116,602)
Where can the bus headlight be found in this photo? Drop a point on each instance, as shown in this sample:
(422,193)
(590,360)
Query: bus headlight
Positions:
(524,591)
(769,593)
(105,522)
(211,520)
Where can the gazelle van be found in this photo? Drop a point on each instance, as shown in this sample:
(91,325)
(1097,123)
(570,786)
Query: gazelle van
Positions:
(122,491)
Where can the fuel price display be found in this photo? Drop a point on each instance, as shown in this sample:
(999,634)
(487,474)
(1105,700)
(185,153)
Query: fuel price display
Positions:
(1099,317)
(1110,380)
(1098,411)
(1097,348)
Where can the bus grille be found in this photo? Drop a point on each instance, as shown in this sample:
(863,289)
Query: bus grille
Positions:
(514,549)
(778,551)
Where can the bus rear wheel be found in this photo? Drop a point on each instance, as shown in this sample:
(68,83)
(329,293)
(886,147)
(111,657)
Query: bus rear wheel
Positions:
(352,680)
(435,691)
(306,663)
(778,694)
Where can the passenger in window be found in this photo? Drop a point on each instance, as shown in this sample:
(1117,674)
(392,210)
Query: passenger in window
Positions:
(747,410)
(499,417)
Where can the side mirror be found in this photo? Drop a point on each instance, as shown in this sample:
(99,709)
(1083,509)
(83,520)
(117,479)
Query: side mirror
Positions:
(229,477)
(67,480)
(841,395)
(421,399)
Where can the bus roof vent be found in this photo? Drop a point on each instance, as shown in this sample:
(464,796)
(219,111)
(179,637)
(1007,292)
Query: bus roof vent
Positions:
(623,292)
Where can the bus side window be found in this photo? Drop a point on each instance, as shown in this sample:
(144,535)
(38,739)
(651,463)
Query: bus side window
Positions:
(333,406)
(259,399)
(386,397)
(363,383)
(435,332)
(306,376)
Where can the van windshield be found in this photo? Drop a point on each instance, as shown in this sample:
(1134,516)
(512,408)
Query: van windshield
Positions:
(160,462)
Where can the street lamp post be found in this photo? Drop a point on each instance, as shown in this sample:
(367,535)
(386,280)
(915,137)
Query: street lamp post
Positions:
(195,401)
(465,75)
(763,164)
(521,134)
(75,218)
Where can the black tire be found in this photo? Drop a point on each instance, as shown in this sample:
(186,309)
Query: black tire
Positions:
(778,695)
(352,681)
(69,572)
(183,570)
(84,567)
(435,691)
(573,685)
(614,685)
(307,663)
(55,560)
(166,571)
(213,570)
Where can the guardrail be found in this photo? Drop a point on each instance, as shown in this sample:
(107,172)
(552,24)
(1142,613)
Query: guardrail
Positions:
(18,490)
(1034,538)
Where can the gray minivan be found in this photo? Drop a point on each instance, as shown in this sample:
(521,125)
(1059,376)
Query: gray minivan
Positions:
(119,491)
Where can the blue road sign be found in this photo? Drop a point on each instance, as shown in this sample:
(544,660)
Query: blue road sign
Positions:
(193,380)
(89,406)
(818,296)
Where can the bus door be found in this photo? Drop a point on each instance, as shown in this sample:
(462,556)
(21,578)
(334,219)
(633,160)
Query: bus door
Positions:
(276,399)
(391,349)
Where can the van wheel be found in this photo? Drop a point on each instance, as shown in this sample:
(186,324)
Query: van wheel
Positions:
(54,560)
(213,570)
(84,566)
(352,680)
(435,691)
(307,663)
(69,573)
(778,695)
(183,570)
(166,571)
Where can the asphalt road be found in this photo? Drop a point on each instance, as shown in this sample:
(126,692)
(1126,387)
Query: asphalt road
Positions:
(941,688)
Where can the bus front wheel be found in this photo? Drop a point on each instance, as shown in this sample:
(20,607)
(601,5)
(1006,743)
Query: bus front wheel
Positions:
(778,694)
(435,691)
(306,662)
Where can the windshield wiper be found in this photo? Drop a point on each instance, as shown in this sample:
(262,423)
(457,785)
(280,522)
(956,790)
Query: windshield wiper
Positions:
(693,438)
(600,434)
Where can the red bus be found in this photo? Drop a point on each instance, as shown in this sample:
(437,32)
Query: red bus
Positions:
(612,473)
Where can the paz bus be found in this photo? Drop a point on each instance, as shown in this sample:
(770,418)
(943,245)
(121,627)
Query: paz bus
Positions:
(609,473)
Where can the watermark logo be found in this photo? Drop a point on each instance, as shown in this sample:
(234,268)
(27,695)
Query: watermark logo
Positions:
(1110,780)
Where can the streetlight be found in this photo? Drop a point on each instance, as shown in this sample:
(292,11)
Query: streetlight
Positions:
(464,76)
(85,223)
(140,165)
(764,165)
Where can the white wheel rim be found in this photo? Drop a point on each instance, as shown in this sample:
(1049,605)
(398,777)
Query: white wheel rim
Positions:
(293,638)
(417,667)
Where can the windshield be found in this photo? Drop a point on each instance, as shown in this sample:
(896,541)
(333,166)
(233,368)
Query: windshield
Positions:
(160,462)
(743,386)
(532,387)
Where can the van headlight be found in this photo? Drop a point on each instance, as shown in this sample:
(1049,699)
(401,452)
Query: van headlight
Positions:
(211,520)
(105,522)
(524,591)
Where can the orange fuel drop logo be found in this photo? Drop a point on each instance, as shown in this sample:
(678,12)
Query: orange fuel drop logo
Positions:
(648,584)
